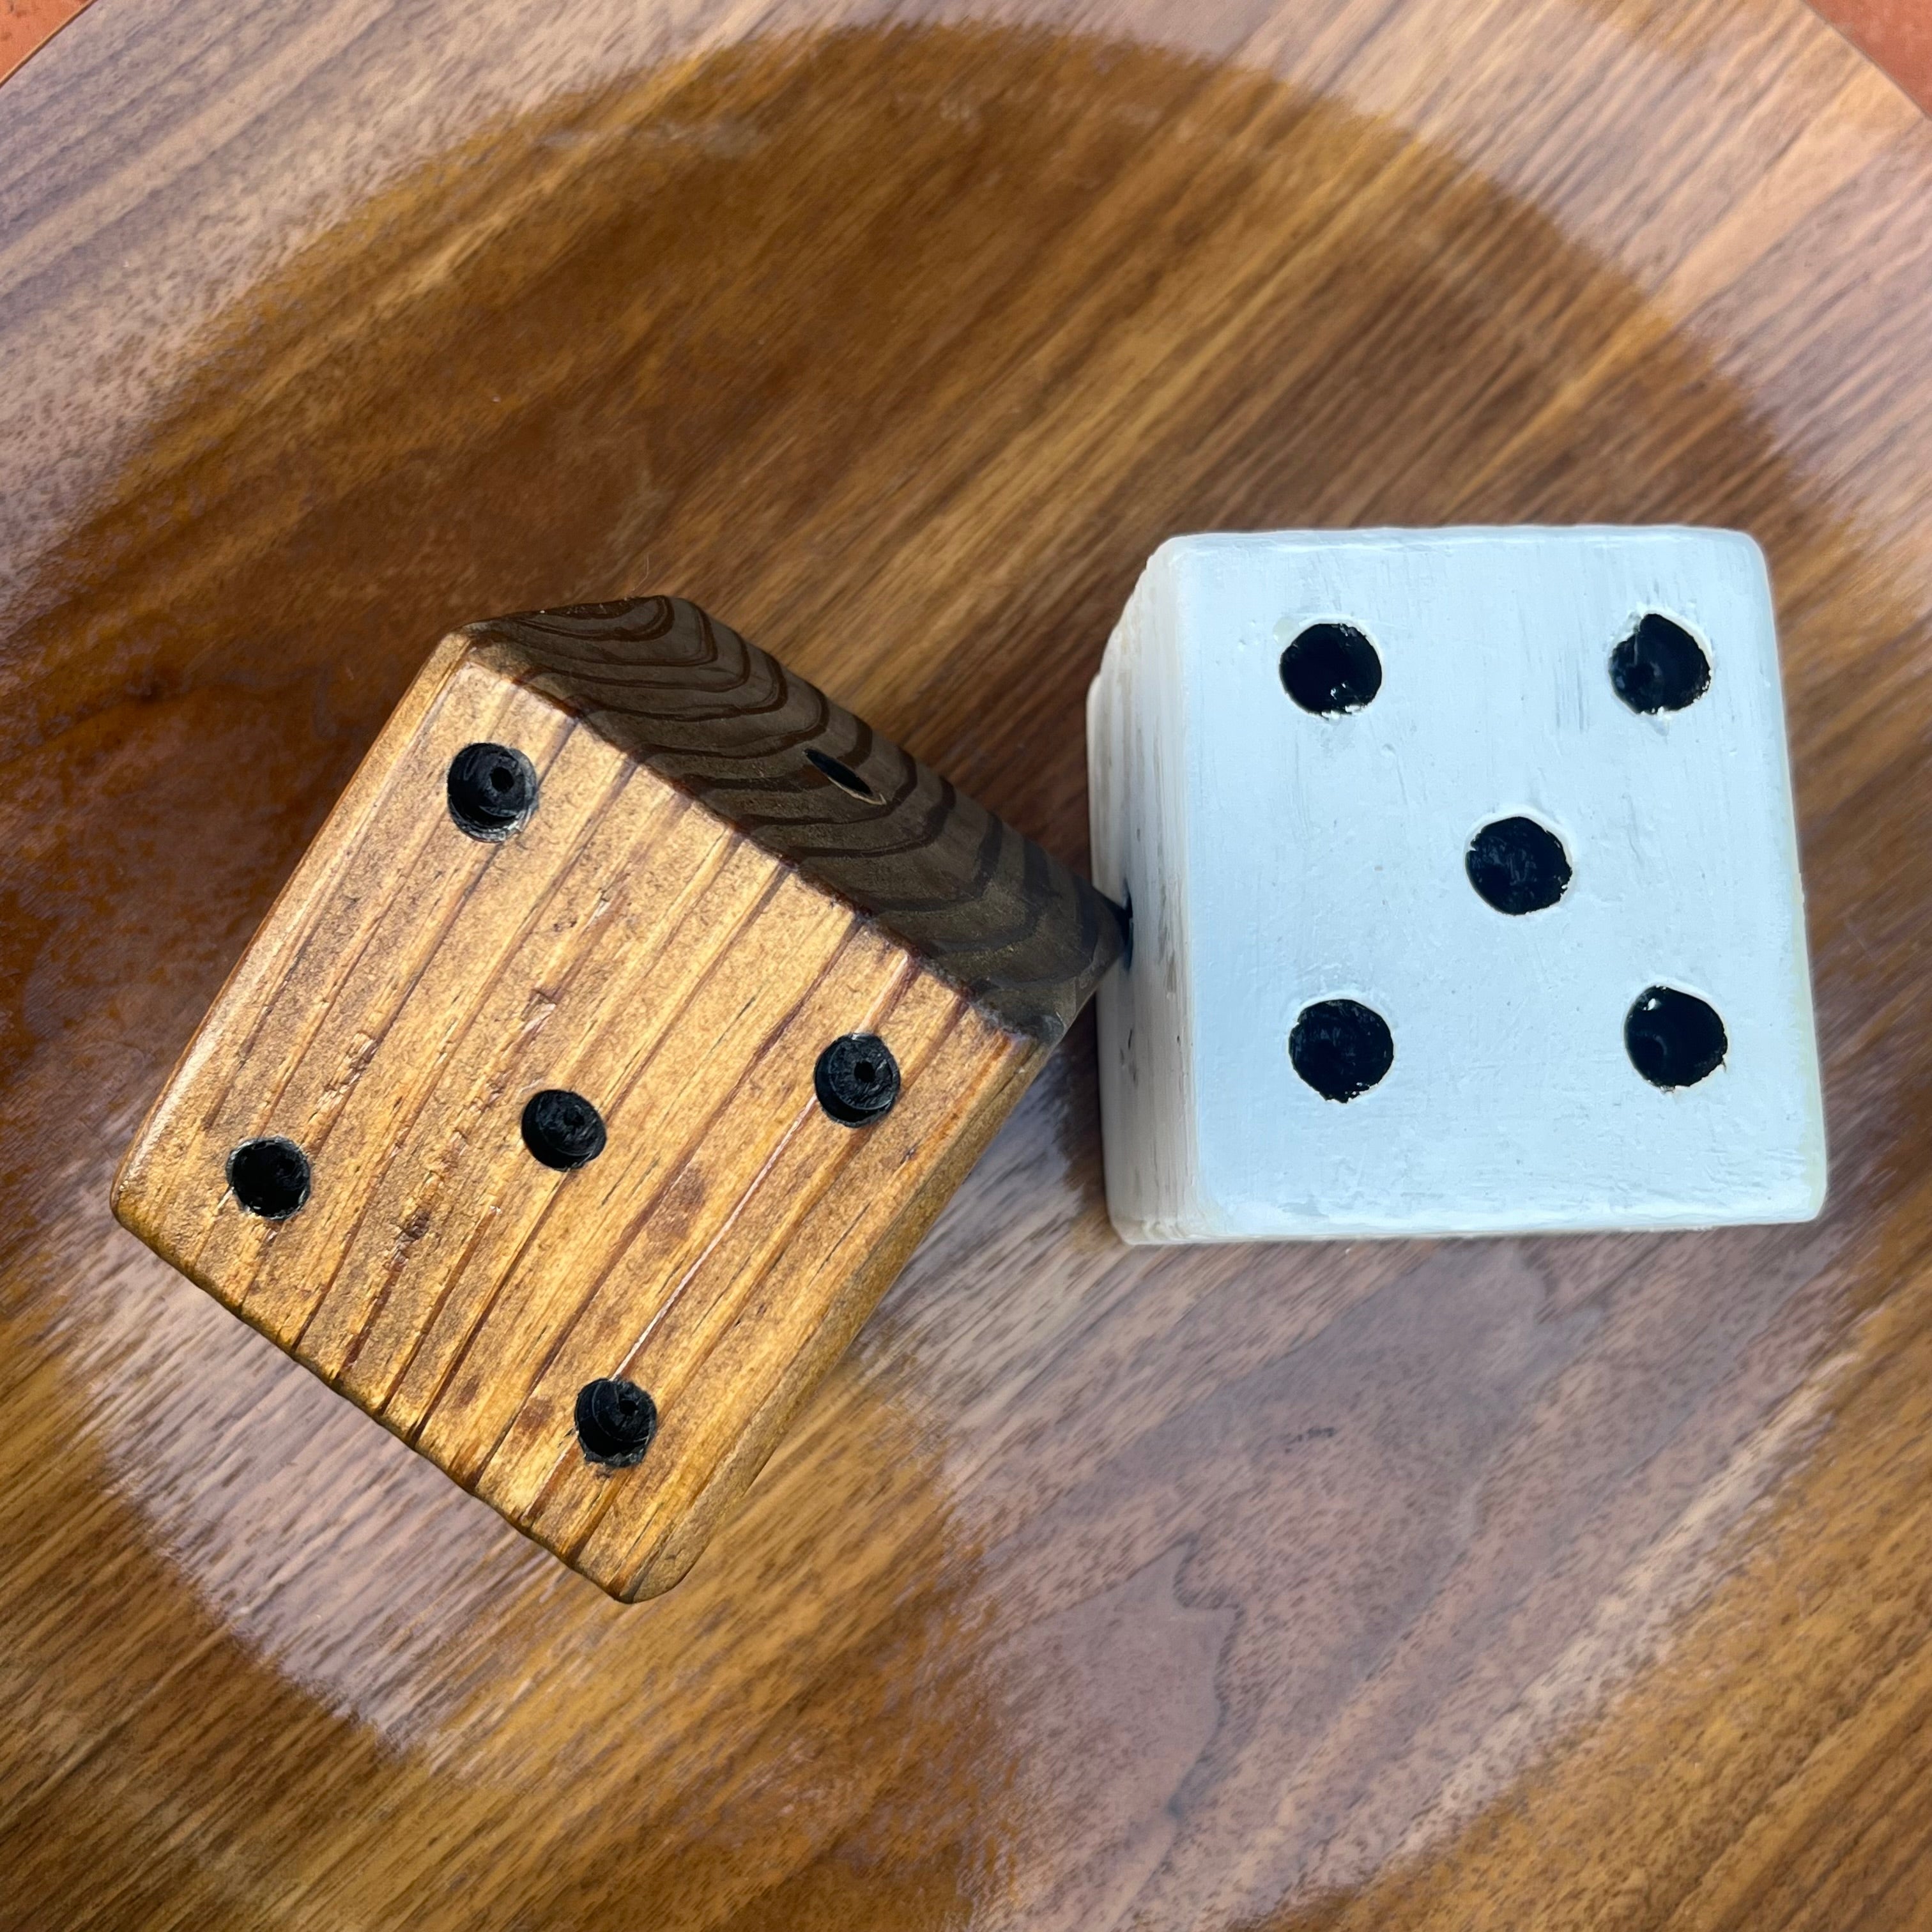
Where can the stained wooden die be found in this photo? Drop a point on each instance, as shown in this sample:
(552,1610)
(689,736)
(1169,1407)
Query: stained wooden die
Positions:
(613,855)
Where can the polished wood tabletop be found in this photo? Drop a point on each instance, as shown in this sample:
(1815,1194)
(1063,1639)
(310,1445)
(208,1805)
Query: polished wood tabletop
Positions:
(1552,1583)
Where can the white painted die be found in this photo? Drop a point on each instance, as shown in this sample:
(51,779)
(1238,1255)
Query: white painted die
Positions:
(1288,868)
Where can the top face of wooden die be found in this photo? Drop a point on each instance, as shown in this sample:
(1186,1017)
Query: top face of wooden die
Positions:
(722,875)
(1464,876)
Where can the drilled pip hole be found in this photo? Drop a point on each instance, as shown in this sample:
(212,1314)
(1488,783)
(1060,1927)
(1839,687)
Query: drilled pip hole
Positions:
(1330,669)
(562,1128)
(842,775)
(1341,1048)
(1517,866)
(493,790)
(270,1177)
(1673,1038)
(1660,667)
(616,1420)
(857,1079)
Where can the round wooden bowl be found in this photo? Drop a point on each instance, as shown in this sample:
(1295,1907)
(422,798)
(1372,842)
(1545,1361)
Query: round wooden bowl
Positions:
(1541,1583)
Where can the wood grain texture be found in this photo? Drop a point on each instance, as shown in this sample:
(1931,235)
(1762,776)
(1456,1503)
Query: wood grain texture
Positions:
(1893,33)
(1023,937)
(415,987)
(1556,1583)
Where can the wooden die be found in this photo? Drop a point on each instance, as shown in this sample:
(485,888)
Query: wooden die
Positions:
(630,1019)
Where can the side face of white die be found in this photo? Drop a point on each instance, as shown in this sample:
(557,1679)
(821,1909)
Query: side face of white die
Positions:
(1464,877)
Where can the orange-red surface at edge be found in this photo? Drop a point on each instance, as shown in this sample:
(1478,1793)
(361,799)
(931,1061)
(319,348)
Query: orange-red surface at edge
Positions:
(25,25)
(1896,34)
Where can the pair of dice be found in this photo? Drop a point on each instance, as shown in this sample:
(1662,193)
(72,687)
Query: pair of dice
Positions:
(638,1008)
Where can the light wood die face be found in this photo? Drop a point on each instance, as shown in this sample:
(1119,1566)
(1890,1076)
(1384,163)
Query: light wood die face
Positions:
(415,987)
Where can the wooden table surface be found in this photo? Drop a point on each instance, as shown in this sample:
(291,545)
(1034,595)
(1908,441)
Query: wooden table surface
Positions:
(1569,1583)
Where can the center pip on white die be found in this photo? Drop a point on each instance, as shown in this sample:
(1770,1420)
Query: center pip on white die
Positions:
(1464,881)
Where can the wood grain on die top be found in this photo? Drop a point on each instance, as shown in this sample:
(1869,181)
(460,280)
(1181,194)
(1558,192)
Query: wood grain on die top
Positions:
(415,986)
(1560,1583)
(1025,937)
